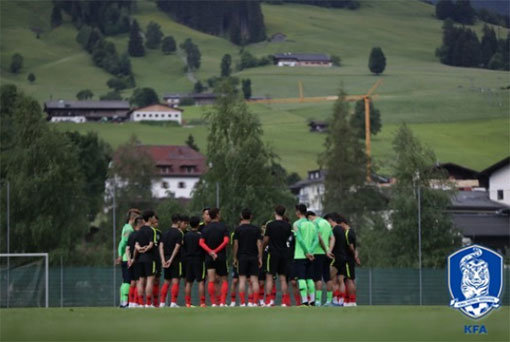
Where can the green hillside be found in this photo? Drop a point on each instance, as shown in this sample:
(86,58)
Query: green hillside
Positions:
(462,113)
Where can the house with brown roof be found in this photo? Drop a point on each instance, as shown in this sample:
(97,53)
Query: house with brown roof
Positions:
(178,169)
(156,112)
(302,59)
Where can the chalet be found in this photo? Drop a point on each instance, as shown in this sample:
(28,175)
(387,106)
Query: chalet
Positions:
(310,191)
(496,178)
(81,111)
(302,59)
(318,126)
(178,169)
(462,177)
(481,220)
(199,99)
(157,112)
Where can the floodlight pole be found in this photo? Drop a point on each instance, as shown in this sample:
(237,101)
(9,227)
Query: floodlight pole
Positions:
(8,238)
(217,194)
(419,234)
(113,243)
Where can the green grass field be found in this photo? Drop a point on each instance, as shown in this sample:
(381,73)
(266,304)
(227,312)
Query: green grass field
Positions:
(380,323)
(462,113)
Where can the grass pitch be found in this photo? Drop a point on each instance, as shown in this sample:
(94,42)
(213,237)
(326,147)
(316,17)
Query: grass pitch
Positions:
(382,323)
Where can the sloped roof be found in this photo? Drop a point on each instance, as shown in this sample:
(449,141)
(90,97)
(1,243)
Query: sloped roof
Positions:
(89,104)
(319,57)
(491,169)
(157,108)
(474,200)
(475,224)
(176,156)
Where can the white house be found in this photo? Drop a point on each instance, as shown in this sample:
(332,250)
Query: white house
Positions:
(496,179)
(157,112)
(302,59)
(310,191)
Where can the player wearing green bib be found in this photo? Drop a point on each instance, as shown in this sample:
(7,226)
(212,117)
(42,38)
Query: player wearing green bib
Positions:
(306,242)
(322,258)
(128,286)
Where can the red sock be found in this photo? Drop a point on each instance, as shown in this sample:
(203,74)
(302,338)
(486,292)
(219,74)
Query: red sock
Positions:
(345,297)
(188,300)
(337,294)
(268,300)
(149,300)
(250,298)
(174,292)
(261,295)
(233,296)
(202,300)
(352,298)
(211,288)
(241,296)
(256,297)
(224,292)
(287,300)
(273,292)
(140,299)
(164,292)
(297,298)
(155,294)
(132,291)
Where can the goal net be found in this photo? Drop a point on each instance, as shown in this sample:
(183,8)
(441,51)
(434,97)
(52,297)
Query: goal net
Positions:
(24,280)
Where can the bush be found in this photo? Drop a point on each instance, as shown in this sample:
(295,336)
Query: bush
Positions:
(187,101)
(336,60)
(168,45)
(16,63)
(31,78)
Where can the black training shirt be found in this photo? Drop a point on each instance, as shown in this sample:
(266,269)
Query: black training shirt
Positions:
(247,236)
(144,237)
(156,239)
(278,232)
(213,234)
(350,238)
(340,245)
(169,239)
(190,247)
(131,243)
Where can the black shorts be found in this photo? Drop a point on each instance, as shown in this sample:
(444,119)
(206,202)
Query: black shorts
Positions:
(144,269)
(132,272)
(126,273)
(321,268)
(174,271)
(220,265)
(248,266)
(291,269)
(345,267)
(194,269)
(303,268)
(277,264)
(158,268)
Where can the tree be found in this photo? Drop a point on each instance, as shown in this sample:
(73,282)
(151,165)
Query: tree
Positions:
(191,143)
(445,9)
(234,150)
(198,87)
(226,62)
(135,44)
(42,167)
(193,55)
(413,167)
(464,13)
(153,35)
(377,61)
(335,60)
(246,88)
(31,78)
(489,44)
(357,120)
(84,94)
(111,96)
(94,156)
(56,16)
(16,63)
(144,97)
(117,83)
(168,45)
(344,162)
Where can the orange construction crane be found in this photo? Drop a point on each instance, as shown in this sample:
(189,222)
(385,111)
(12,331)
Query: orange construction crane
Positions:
(351,98)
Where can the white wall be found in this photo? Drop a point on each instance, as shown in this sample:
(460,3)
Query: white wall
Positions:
(172,183)
(156,116)
(500,180)
(77,119)
(286,63)
(312,195)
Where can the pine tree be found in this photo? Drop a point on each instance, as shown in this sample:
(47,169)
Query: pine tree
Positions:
(153,35)
(56,16)
(234,150)
(464,13)
(246,84)
(226,63)
(489,45)
(344,162)
(377,61)
(445,9)
(16,63)
(144,97)
(191,142)
(31,78)
(413,167)
(168,45)
(84,94)
(135,45)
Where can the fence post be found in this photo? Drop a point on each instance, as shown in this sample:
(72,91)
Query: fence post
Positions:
(61,282)
(114,249)
(370,286)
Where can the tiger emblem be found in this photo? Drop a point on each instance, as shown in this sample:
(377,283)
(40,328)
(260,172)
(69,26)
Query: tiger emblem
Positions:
(475,275)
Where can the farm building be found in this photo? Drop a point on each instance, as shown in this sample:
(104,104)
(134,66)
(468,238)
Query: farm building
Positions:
(157,112)
(196,98)
(302,59)
(82,111)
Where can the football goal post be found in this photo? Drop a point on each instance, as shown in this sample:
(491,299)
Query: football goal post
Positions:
(24,280)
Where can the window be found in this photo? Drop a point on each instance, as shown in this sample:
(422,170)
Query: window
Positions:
(150,115)
(137,115)
(143,115)
(176,115)
(501,195)
(182,185)
(164,185)
(156,115)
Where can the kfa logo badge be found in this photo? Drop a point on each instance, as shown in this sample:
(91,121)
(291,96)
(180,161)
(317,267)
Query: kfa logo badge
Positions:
(475,280)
